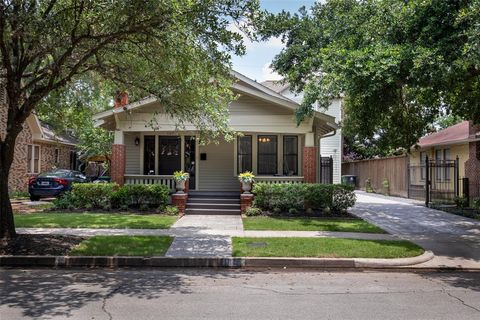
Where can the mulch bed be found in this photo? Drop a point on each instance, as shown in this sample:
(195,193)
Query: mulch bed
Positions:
(40,244)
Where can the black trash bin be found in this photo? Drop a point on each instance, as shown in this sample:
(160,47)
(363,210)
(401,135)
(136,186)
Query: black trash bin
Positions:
(349,180)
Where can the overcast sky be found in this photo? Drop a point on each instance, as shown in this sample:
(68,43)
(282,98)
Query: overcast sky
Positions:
(255,64)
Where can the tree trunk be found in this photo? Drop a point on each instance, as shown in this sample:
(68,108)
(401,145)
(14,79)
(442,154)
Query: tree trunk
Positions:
(7,226)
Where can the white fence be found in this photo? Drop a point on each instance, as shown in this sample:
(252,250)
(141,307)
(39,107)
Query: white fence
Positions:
(166,180)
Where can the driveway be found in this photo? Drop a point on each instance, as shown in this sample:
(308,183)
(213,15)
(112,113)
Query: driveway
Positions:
(455,240)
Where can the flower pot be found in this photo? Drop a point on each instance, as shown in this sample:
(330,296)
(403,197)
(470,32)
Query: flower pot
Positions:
(246,187)
(180,185)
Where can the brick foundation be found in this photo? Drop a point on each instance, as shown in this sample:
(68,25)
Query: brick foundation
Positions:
(246,200)
(179,200)
(117,169)
(310,164)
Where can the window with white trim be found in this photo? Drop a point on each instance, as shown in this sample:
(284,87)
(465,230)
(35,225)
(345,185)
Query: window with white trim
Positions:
(267,154)
(33,158)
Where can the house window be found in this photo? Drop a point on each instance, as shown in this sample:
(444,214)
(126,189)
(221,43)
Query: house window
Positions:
(290,155)
(423,168)
(33,158)
(57,156)
(244,154)
(439,164)
(267,155)
(448,168)
(149,155)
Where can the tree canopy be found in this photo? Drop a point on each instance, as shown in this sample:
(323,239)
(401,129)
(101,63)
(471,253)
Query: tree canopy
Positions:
(176,50)
(399,64)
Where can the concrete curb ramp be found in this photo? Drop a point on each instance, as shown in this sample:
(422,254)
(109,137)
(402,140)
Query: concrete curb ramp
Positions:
(213,262)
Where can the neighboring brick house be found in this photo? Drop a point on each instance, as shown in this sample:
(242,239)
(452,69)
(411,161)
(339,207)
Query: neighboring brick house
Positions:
(37,149)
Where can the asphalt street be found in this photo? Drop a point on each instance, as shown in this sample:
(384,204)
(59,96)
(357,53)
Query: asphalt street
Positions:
(236,294)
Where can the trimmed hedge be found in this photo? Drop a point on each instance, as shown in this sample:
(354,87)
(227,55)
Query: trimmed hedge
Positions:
(108,196)
(292,197)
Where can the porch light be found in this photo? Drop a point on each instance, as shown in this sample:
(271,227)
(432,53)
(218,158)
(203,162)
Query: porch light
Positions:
(137,141)
(264,139)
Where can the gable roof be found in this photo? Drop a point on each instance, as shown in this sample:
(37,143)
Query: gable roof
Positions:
(243,85)
(458,133)
(43,132)
(275,85)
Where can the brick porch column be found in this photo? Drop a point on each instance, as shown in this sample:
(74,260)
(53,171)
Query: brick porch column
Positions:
(310,154)
(117,164)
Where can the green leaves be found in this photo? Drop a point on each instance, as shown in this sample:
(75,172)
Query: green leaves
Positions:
(398,63)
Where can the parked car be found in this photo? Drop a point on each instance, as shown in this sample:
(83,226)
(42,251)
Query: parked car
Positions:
(53,183)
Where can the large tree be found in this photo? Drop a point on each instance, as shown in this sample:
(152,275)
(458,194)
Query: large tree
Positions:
(177,50)
(399,64)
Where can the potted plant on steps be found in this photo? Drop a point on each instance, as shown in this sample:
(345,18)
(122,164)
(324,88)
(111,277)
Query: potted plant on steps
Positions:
(246,178)
(180,178)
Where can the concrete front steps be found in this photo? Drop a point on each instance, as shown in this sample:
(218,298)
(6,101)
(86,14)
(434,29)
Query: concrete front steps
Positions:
(213,203)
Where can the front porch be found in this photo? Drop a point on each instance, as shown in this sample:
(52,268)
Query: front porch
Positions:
(152,157)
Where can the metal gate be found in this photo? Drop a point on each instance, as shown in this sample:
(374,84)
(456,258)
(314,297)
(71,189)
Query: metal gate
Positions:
(326,170)
(435,181)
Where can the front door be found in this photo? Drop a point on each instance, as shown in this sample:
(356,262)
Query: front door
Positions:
(169,159)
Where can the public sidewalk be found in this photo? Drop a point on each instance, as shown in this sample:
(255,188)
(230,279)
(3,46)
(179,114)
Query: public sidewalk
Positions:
(454,240)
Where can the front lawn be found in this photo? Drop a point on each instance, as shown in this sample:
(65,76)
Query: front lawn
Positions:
(94,220)
(309,224)
(323,248)
(123,246)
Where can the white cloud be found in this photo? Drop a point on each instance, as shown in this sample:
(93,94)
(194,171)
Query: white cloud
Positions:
(269,74)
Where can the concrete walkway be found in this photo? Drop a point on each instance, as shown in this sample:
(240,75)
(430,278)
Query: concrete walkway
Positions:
(454,240)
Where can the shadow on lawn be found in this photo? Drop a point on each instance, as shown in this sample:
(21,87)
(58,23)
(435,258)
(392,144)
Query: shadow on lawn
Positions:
(50,293)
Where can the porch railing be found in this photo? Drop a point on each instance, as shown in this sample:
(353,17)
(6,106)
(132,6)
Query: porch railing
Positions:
(279,179)
(147,179)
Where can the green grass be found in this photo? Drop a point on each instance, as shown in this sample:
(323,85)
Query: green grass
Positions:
(123,246)
(310,224)
(93,220)
(323,248)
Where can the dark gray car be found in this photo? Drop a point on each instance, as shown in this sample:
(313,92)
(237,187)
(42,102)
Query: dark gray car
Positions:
(53,183)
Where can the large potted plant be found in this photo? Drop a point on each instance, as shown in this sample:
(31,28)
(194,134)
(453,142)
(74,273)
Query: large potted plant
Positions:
(246,178)
(180,177)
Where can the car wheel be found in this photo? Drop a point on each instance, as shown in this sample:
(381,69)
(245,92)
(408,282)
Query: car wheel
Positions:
(34,198)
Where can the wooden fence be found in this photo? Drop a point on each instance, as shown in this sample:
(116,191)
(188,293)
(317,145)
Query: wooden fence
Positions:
(395,169)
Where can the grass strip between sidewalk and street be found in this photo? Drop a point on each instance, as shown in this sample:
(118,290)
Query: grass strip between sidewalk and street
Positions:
(323,248)
(310,224)
(94,220)
(123,246)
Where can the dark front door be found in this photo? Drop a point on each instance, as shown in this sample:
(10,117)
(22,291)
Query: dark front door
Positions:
(190,160)
(169,159)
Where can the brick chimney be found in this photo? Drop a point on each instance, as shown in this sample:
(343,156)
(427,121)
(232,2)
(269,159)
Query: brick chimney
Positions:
(121,99)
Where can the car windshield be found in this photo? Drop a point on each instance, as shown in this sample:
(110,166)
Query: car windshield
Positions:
(55,174)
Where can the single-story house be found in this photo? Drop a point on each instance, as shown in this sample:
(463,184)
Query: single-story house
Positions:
(332,144)
(37,149)
(272,146)
(461,140)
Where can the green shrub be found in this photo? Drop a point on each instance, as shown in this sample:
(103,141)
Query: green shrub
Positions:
(285,197)
(281,197)
(343,198)
(140,196)
(108,196)
(253,211)
(461,202)
(170,210)
(476,203)
(293,211)
(92,195)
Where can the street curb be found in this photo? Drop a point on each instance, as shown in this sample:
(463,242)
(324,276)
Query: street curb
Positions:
(209,262)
